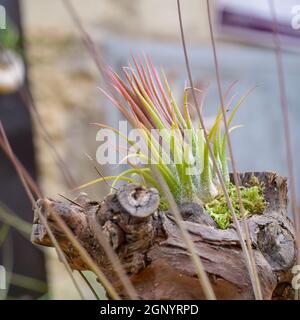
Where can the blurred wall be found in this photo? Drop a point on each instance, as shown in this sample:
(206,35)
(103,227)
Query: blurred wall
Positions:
(144,18)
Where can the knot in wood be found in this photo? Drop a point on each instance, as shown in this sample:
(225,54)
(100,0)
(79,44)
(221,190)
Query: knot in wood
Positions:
(138,201)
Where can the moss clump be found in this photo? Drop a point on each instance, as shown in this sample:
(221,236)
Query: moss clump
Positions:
(252,197)
(163,204)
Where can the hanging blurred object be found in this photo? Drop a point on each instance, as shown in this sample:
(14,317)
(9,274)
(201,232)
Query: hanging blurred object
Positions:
(12,71)
(12,68)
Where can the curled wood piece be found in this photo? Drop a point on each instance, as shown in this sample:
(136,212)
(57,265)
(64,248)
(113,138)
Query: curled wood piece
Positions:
(150,247)
(128,218)
(138,201)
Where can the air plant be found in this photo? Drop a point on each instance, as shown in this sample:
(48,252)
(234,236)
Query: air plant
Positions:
(172,141)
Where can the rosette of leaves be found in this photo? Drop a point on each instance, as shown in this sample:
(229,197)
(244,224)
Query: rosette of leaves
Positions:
(179,151)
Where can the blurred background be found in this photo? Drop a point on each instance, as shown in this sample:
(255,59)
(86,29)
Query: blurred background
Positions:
(57,69)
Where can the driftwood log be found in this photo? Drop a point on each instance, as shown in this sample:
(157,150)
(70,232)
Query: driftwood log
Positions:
(151,249)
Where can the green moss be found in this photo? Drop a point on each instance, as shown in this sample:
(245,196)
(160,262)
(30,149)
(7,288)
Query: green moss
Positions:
(163,204)
(252,197)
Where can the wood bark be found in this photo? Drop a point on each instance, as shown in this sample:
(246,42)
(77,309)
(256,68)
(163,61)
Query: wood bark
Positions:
(154,255)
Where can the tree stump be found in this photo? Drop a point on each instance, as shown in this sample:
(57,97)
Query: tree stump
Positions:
(154,255)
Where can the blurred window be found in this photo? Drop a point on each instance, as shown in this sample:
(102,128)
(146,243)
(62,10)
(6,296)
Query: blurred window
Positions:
(251,21)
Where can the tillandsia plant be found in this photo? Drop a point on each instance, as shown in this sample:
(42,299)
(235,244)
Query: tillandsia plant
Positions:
(173,142)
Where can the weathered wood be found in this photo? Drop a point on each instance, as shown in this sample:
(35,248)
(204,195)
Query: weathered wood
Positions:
(150,246)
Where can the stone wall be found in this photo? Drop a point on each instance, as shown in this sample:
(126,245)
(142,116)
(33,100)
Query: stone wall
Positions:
(144,18)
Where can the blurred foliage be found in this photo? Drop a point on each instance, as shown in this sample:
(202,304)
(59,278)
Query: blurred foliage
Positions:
(3,233)
(9,37)
(11,220)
